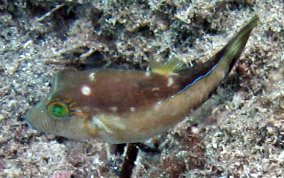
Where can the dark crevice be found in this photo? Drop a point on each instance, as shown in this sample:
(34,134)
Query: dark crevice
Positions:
(149,149)
(142,30)
(129,160)
(117,149)
(60,139)
(37,10)
(95,17)
(94,60)
(58,21)
(230,5)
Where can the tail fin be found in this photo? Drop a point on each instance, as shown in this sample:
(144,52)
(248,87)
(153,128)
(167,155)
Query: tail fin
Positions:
(232,51)
(226,57)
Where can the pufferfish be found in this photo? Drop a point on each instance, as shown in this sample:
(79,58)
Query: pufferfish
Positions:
(126,106)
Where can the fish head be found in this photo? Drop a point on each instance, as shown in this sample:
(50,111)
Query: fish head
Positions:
(60,113)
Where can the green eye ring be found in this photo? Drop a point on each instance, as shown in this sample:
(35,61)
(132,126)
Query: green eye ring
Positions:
(58,109)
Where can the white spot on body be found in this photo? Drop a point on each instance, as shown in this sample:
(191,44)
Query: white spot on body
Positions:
(92,76)
(159,102)
(156,89)
(86,90)
(170,81)
(132,109)
(157,105)
(147,74)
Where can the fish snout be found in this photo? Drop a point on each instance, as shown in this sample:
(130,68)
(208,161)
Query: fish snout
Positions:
(36,118)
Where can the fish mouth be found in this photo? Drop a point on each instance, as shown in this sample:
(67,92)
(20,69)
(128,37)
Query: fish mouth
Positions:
(28,123)
(36,118)
(28,119)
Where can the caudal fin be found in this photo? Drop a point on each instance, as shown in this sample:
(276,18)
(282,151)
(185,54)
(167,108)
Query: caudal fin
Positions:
(234,48)
(226,57)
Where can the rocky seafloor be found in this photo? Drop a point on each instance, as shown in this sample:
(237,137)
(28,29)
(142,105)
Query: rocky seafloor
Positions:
(244,131)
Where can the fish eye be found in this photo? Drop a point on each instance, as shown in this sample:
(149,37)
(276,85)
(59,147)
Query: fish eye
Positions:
(58,109)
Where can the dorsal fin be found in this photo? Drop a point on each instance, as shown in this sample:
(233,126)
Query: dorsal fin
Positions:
(172,67)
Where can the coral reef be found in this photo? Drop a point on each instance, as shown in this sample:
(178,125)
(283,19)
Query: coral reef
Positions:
(244,131)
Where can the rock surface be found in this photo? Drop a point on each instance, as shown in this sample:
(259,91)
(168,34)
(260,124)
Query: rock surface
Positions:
(244,131)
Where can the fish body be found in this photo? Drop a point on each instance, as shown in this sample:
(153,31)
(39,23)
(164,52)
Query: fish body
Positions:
(125,106)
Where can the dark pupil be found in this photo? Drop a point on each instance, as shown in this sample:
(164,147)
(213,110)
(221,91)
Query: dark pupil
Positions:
(58,110)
